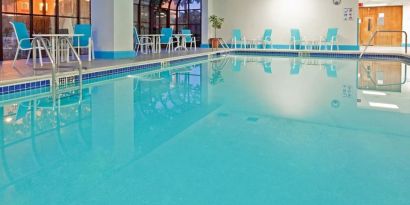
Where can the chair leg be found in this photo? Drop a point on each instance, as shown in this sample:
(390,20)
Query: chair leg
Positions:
(93,50)
(41,57)
(89,53)
(15,57)
(28,56)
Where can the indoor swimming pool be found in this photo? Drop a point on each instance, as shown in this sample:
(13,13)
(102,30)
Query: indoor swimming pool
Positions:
(237,129)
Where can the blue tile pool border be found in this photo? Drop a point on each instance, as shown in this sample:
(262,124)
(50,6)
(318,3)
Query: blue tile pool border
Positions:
(120,72)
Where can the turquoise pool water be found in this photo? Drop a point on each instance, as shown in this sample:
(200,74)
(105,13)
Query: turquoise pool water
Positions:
(237,130)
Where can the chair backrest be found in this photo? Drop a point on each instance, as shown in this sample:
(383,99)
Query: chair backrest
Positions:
(295,67)
(267,36)
(332,34)
(188,39)
(267,67)
(237,65)
(237,34)
(167,34)
(295,34)
(135,36)
(84,29)
(331,70)
(21,31)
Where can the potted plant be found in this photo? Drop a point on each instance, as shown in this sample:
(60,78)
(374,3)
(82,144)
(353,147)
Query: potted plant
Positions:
(216,23)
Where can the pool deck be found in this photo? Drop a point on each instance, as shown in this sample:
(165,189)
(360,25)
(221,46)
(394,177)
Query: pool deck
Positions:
(24,72)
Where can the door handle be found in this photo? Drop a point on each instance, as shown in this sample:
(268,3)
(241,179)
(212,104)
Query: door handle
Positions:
(369,25)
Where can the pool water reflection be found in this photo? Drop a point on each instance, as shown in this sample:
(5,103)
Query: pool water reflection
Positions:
(236,130)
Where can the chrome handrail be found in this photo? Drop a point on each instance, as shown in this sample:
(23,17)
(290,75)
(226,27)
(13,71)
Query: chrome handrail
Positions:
(39,42)
(374,35)
(80,66)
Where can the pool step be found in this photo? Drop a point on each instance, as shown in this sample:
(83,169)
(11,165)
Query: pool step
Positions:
(304,54)
(165,64)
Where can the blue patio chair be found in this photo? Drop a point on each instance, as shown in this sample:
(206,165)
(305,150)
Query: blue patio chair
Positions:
(295,66)
(141,42)
(24,42)
(85,41)
(189,38)
(168,39)
(238,38)
(330,39)
(295,39)
(267,38)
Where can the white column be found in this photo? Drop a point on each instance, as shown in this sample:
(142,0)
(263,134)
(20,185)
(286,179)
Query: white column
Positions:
(112,28)
(206,9)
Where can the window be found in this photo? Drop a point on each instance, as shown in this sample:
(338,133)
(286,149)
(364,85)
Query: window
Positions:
(152,15)
(40,16)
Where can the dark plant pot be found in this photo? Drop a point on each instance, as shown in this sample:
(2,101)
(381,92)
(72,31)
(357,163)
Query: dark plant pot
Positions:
(214,43)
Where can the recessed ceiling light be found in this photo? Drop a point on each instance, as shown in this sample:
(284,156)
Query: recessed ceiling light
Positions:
(367,92)
(383,105)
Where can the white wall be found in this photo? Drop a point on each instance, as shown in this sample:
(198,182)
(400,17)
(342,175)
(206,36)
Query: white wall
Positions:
(313,17)
(406,19)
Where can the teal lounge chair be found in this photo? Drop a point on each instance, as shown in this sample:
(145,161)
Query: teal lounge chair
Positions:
(330,40)
(267,38)
(168,39)
(85,41)
(238,38)
(24,42)
(295,39)
(189,38)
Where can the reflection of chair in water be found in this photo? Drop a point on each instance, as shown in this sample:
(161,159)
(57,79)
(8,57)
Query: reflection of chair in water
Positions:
(237,64)
(44,121)
(331,70)
(22,110)
(295,66)
(267,66)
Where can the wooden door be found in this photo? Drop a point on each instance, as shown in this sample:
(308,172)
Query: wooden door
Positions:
(380,76)
(386,18)
(368,25)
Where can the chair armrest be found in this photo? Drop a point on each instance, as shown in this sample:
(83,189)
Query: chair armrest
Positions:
(25,39)
(322,39)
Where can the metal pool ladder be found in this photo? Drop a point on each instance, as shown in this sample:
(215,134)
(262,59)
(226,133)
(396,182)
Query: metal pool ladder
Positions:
(374,35)
(41,42)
